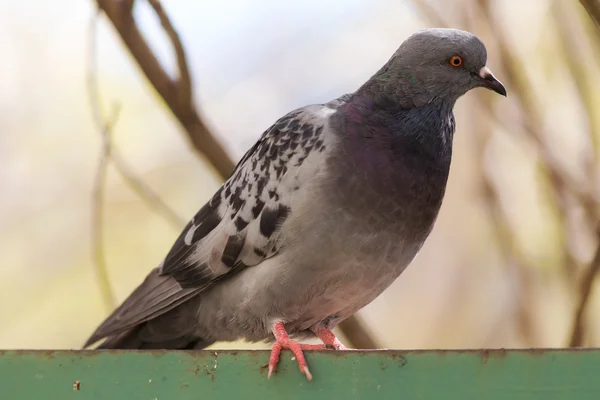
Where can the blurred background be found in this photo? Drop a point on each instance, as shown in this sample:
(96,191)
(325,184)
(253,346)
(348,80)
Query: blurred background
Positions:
(510,263)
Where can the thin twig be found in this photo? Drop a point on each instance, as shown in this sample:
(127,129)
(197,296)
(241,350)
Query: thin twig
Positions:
(108,296)
(578,330)
(578,61)
(513,259)
(143,190)
(109,153)
(585,290)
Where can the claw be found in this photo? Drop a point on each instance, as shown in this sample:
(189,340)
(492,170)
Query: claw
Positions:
(282,341)
(306,372)
(271,369)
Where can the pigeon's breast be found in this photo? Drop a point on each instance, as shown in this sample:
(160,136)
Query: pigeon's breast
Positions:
(352,238)
(396,193)
(336,264)
(389,170)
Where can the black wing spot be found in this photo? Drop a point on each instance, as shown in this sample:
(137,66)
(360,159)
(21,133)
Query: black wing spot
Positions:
(307,131)
(215,201)
(257,207)
(260,253)
(263,149)
(236,200)
(260,185)
(273,152)
(279,171)
(232,250)
(271,219)
(240,223)
(208,219)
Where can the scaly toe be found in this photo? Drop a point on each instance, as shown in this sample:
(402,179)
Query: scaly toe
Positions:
(306,372)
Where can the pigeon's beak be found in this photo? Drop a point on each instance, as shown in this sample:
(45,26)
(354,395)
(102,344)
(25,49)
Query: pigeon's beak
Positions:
(490,81)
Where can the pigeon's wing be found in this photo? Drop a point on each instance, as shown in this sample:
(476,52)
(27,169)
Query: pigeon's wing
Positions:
(238,227)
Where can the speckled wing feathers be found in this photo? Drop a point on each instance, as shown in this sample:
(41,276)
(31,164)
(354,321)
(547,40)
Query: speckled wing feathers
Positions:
(236,229)
(239,226)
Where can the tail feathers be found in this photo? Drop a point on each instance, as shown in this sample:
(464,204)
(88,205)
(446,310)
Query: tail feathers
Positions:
(174,329)
(156,296)
(133,339)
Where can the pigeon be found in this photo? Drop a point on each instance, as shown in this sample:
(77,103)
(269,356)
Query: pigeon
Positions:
(318,218)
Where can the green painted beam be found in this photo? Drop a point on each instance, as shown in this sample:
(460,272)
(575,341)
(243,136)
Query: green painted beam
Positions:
(405,375)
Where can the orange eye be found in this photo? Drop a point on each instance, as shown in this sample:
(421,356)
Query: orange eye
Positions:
(455,61)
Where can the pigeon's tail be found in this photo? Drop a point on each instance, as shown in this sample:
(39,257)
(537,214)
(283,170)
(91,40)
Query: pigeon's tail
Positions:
(133,339)
(159,314)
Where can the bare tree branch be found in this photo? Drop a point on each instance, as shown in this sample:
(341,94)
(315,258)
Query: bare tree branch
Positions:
(174,93)
(184,84)
(178,96)
(593,9)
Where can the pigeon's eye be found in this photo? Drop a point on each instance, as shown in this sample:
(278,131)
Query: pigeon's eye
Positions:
(455,61)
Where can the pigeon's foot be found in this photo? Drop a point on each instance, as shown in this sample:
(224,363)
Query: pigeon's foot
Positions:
(330,339)
(283,341)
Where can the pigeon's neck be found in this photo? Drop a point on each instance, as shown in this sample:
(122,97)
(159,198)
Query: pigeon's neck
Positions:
(384,125)
(393,148)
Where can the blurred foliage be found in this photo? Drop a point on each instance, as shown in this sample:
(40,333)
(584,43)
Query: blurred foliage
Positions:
(510,256)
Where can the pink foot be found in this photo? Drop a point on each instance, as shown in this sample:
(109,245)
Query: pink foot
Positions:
(329,339)
(283,341)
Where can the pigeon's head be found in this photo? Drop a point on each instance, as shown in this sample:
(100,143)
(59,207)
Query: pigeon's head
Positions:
(437,65)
